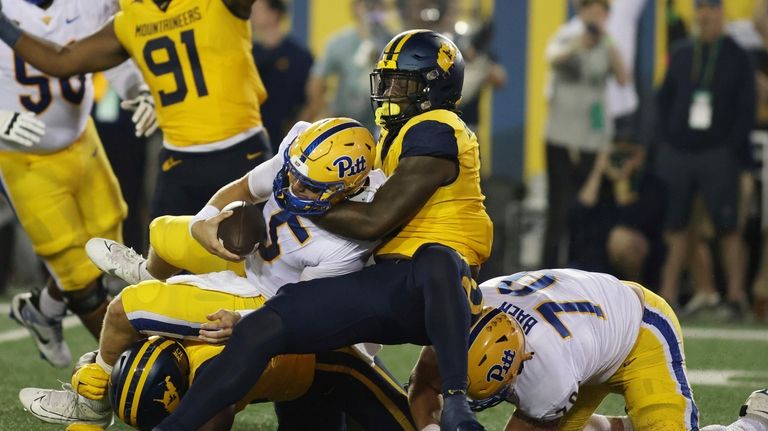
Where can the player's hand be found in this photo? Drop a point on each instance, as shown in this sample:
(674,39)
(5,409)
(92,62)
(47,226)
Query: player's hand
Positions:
(90,381)
(206,233)
(220,327)
(21,128)
(144,115)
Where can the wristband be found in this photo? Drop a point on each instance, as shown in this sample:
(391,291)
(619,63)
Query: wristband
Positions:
(100,362)
(9,32)
(207,212)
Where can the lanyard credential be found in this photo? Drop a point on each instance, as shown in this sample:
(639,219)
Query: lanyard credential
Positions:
(709,68)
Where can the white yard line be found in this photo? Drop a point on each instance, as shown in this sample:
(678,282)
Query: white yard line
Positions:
(18,334)
(726,334)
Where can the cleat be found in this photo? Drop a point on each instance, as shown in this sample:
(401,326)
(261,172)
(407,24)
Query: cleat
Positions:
(66,407)
(699,302)
(47,333)
(756,406)
(116,259)
(457,416)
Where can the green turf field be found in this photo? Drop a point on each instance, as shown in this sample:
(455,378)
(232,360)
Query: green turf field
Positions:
(723,371)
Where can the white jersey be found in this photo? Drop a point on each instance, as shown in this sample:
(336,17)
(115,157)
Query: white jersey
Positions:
(579,325)
(62,104)
(296,249)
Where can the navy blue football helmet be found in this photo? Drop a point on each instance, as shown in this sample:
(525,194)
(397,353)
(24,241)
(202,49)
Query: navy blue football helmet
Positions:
(148,381)
(418,70)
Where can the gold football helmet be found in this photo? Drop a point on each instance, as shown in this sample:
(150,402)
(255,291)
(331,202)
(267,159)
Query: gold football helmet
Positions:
(496,353)
(331,159)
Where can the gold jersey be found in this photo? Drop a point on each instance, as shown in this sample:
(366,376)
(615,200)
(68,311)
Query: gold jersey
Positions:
(455,214)
(196,58)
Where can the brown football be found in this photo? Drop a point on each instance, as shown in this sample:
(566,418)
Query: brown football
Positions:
(241,232)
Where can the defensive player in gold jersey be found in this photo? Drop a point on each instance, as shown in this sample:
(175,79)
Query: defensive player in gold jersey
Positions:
(433,226)
(196,57)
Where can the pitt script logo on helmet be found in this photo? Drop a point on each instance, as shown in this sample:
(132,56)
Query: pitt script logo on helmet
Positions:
(330,159)
(419,70)
(496,353)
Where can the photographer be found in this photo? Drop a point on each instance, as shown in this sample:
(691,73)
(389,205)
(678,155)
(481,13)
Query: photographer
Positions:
(616,220)
(582,57)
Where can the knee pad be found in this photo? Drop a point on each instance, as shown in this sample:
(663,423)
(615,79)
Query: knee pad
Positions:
(87,300)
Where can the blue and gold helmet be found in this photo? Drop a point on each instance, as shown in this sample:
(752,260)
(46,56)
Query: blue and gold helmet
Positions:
(331,159)
(418,70)
(148,381)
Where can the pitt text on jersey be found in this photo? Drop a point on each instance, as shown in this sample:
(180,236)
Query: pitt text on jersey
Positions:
(348,168)
(526,321)
(177,21)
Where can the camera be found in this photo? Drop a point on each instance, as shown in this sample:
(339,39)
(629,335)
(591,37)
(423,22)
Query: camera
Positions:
(593,29)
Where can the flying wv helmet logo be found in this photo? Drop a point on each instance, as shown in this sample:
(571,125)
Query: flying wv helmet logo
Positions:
(171,396)
(498,371)
(347,167)
(446,56)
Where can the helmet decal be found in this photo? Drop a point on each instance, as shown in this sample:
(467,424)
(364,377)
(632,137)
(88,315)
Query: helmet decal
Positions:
(446,55)
(325,163)
(348,168)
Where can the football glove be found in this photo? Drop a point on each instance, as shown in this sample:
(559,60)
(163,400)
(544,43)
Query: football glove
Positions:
(21,128)
(91,381)
(144,115)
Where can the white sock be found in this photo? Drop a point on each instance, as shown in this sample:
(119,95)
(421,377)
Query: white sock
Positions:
(605,423)
(748,423)
(745,423)
(143,273)
(50,307)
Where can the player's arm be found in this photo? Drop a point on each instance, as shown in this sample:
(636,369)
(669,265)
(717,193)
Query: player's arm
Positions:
(240,8)
(424,390)
(204,225)
(414,181)
(99,51)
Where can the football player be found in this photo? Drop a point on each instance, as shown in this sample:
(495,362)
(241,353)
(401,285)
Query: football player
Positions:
(54,170)
(195,55)
(435,232)
(311,172)
(586,335)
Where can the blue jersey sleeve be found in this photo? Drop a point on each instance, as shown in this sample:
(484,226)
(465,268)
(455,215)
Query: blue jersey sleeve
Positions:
(430,138)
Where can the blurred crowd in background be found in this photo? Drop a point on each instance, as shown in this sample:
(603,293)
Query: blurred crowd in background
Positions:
(660,185)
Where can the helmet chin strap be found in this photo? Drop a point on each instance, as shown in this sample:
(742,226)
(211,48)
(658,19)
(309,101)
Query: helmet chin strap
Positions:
(385,110)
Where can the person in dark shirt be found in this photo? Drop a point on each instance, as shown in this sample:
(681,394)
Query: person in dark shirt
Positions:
(284,65)
(706,108)
(617,218)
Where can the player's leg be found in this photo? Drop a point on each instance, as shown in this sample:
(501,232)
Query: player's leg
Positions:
(445,282)
(319,315)
(344,382)
(653,378)
(151,308)
(46,192)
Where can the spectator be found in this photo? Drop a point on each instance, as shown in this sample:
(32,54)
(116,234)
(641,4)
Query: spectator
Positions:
(582,57)
(349,56)
(284,66)
(481,70)
(616,220)
(706,108)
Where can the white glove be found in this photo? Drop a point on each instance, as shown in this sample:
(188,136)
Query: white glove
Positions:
(144,116)
(21,128)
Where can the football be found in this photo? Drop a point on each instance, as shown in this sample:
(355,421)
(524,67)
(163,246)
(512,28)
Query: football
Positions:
(244,230)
